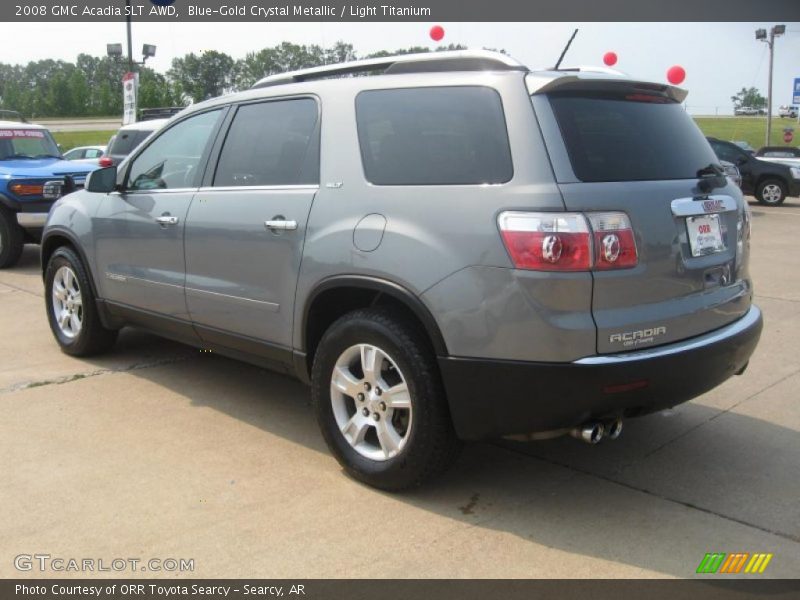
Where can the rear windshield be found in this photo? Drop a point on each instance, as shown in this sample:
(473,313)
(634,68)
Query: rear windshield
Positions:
(126,141)
(433,136)
(630,138)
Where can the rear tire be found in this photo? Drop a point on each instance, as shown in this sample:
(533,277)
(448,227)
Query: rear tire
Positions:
(380,402)
(71,307)
(11,239)
(771,192)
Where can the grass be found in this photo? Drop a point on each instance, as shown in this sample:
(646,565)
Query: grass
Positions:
(71,139)
(750,129)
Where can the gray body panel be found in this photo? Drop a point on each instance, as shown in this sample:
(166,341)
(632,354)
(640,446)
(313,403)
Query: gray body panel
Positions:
(139,261)
(241,277)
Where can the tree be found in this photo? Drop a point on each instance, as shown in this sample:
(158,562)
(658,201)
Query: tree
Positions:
(749,97)
(203,76)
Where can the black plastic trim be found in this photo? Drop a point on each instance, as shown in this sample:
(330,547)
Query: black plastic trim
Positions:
(383,286)
(492,398)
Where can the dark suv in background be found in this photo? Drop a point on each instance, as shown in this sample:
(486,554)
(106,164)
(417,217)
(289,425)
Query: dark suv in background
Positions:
(769,182)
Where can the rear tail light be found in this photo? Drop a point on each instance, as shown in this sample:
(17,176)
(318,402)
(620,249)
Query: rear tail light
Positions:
(105,161)
(566,242)
(614,244)
(547,241)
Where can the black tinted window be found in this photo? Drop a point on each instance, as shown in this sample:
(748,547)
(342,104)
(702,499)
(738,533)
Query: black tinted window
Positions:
(630,138)
(271,143)
(728,152)
(126,141)
(433,136)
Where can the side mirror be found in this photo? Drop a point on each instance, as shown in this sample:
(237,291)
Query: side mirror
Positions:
(102,181)
(742,160)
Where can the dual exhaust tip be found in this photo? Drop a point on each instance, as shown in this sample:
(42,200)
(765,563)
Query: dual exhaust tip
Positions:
(592,432)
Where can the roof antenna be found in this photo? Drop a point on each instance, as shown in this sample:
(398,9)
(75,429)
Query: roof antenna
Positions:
(569,43)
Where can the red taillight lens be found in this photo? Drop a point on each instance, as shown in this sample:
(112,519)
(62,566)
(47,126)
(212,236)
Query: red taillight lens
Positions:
(547,241)
(614,244)
(105,161)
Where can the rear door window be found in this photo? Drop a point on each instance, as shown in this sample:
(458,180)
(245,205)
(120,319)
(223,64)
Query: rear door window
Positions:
(271,144)
(433,136)
(631,137)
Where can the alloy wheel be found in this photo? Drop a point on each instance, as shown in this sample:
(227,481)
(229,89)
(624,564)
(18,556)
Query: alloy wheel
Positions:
(371,402)
(67,302)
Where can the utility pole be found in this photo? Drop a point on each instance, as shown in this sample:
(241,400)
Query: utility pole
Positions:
(130,41)
(761,35)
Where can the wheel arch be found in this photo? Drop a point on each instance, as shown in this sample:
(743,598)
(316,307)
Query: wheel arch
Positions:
(54,239)
(338,295)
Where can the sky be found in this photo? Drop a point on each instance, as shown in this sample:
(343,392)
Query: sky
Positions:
(719,58)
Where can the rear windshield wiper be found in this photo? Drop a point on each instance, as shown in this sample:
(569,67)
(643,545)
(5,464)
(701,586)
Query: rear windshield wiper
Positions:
(711,176)
(10,156)
(47,156)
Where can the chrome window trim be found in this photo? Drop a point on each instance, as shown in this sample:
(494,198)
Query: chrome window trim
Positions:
(237,188)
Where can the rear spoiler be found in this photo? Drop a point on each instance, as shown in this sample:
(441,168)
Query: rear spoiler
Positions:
(543,83)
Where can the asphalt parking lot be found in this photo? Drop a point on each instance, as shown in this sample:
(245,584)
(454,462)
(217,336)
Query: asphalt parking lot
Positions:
(159,451)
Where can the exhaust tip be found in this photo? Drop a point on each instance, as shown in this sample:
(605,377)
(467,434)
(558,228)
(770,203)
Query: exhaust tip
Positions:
(613,429)
(591,433)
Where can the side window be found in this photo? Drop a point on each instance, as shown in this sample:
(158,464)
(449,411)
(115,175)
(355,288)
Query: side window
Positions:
(93,153)
(271,143)
(172,159)
(433,136)
(725,152)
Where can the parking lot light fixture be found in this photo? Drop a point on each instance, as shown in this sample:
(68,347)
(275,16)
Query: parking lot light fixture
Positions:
(761,35)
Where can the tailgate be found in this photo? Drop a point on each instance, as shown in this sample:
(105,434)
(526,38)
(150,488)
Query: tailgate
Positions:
(634,149)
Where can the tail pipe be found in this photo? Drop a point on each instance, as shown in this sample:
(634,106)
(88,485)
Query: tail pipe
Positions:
(613,429)
(591,432)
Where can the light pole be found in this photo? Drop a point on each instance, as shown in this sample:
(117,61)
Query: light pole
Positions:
(761,35)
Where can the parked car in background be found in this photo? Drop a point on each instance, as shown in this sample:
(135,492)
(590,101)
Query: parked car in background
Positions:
(787,112)
(745,110)
(744,146)
(87,154)
(454,249)
(127,138)
(787,155)
(769,182)
(732,172)
(33,174)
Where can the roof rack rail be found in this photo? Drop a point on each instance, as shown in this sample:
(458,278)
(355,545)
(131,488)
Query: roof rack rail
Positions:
(13,114)
(425,62)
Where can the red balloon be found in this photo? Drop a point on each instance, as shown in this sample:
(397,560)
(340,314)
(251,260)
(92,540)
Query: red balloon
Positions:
(676,75)
(437,33)
(610,58)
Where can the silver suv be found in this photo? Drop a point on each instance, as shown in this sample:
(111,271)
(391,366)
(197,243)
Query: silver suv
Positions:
(449,248)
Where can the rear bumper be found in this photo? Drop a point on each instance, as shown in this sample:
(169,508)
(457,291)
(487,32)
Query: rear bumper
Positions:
(490,398)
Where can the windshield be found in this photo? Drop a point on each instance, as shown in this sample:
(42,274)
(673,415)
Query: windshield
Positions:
(629,137)
(27,143)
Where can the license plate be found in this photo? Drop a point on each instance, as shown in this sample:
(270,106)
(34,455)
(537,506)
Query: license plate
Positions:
(705,235)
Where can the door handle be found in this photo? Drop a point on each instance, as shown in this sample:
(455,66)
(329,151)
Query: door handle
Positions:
(280,224)
(165,220)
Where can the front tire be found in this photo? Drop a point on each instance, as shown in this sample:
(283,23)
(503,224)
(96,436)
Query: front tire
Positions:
(11,239)
(771,192)
(379,400)
(71,308)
